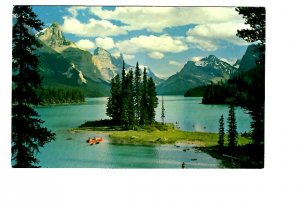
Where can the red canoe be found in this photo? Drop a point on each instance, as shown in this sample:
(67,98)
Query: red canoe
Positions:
(95,141)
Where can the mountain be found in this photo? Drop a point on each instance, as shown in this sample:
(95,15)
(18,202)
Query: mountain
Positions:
(53,37)
(237,63)
(63,64)
(248,60)
(196,73)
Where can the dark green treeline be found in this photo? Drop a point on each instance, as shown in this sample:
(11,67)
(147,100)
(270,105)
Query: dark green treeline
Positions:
(54,95)
(133,99)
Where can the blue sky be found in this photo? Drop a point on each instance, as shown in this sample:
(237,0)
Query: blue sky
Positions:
(163,38)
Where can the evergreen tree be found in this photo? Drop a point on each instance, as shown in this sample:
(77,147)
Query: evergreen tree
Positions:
(162,110)
(124,100)
(131,106)
(221,131)
(255,17)
(152,100)
(144,99)
(137,92)
(232,132)
(28,135)
(253,98)
(113,109)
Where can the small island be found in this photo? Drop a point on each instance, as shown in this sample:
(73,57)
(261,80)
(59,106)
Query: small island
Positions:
(241,156)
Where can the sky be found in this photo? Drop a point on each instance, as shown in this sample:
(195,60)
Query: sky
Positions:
(163,38)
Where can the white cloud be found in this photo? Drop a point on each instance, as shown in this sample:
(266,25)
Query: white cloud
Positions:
(85,44)
(156,55)
(207,37)
(205,45)
(163,43)
(93,28)
(175,63)
(156,19)
(197,58)
(73,10)
(106,43)
(128,56)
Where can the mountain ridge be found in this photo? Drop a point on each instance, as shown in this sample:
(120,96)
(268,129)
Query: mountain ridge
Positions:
(63,63)
(197,73)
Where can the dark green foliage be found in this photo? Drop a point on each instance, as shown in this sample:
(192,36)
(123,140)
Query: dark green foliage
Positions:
(113,106)
(162,110)
(152,100)
(255,17)
(254,98)
(133,101)
(130,94)
(144,99)
(248,88)
(232,132)
(196,92)
(60,95)
(221,132)
(137,92)
(218,93)
(28,135)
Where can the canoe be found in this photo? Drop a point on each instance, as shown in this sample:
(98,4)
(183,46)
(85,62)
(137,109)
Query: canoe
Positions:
(95,141)
(100,139)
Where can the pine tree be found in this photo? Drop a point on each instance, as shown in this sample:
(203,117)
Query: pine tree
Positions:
(113,109)
(124,101)
(131,107)
(221,131)
(255,17)
(162,110)
(144,99)
(232,132)
(28,135)
(152,100)
(137,92)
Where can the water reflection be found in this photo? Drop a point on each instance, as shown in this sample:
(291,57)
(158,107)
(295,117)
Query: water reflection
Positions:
(71,150)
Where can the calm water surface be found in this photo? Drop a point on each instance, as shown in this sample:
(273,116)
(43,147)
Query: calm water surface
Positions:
(70,149)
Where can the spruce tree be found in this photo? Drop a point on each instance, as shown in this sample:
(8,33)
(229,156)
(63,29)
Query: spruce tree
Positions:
(144,99)
(254,100)
(221,131)
(124,100)
(113,108)
(162,110)
(130,107)
(232,132)
(255,17)
(137,92)
(28,135)
(152,100)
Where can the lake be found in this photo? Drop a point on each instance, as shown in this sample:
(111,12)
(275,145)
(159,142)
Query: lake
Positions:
(70,150)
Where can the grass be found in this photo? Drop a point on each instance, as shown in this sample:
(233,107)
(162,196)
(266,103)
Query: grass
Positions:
(156,133)
(244,155)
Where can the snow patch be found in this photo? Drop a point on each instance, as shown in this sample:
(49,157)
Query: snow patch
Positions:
(81,78)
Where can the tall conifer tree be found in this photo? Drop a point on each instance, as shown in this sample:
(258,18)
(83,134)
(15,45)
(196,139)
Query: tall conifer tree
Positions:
(152,100)
(232,132)
(124,101)
(144,99)
(162,110)
(221,131)
(254,100)
(130,107)
(137,92)
(28,135)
